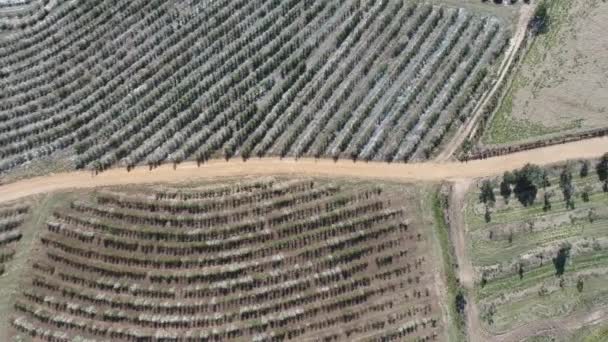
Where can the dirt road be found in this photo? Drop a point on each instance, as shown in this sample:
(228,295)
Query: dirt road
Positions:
(429,171)
(466,273)
(470,126)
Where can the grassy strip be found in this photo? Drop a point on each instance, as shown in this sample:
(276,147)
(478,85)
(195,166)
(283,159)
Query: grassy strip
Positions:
(504,128)
(560,303)
(515,212)
(512,282)
(457,321)
(590,334)
(10,283)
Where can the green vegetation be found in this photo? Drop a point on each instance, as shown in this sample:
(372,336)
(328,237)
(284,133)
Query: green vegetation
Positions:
(540,259)
(455,292)
(592,334)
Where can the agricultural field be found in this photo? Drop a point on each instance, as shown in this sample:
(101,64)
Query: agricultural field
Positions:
(96,84)
(11,220)
(560,86)
(18,15)
(539,248)
(254,259)
(104,236)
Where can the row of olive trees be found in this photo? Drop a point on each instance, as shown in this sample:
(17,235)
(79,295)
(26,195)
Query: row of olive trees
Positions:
(525,183)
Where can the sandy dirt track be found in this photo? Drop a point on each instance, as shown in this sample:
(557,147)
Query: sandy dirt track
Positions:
(428,171)
(471,125)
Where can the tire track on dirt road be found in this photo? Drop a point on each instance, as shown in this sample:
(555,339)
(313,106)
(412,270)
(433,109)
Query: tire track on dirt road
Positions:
(413,172)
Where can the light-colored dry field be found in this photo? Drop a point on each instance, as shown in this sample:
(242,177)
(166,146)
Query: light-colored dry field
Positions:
(562,84)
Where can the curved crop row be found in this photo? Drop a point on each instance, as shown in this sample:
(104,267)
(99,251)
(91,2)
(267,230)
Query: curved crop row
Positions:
(293,261)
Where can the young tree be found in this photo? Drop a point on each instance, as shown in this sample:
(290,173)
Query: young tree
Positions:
(484,279)
(505,190)
(591,216)
(565,182)
(547,201)
(585,194)
(461,302)
(487,193)
(487,216)
(580,284)
(560,259)
(545,181)
(584,169)
(602,168)
(602,171)
(488,312)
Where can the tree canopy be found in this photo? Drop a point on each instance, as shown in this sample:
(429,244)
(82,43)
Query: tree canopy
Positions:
(602,168)
(527,181)
(560,259)
(565,182)
(540,22)
(584,169)
(487,193)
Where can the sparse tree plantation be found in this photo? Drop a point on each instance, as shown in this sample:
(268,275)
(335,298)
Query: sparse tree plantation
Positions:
(261,259)
(541,260)
(125,83)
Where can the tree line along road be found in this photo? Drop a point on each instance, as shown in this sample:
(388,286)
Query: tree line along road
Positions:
(428,171)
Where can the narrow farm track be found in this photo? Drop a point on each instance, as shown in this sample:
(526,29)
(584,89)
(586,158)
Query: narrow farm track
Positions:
(466,273)
(470,126)
(430,171)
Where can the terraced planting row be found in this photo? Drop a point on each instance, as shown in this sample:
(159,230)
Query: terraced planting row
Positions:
(149,81)
(545,259)
(11,219)
(263,259)
(19,15)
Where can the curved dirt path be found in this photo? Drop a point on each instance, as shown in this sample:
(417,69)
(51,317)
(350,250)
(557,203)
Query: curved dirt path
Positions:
(429,171)
(466,131)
